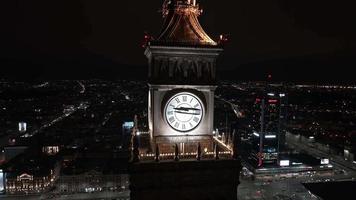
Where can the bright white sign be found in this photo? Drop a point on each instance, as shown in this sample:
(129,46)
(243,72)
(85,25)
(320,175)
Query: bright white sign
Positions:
(324,161)
(284,163)
(22,126)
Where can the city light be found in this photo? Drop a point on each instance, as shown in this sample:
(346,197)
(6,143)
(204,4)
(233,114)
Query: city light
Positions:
(22,126)
(324,161)
(187,130)
(2,180)
(128,125)
(297,163)
(284,163)
(272,101)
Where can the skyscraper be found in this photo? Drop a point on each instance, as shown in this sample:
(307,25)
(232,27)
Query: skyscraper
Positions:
(268,125)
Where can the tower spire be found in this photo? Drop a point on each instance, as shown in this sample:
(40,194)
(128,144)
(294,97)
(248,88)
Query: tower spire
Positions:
(181,25)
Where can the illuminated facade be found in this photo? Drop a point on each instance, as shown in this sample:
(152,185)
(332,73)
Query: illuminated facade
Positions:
(268,130)
(92,182)
(182,83)
(2,182)
(181,158)
(50,150)
(31,172)
(28,183)
(22,126)
(181,61)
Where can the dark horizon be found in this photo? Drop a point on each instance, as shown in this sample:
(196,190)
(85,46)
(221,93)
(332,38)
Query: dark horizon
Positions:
(294,70)
(294,41)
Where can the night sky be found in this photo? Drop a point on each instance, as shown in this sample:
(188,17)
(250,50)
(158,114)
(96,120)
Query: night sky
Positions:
(71,39)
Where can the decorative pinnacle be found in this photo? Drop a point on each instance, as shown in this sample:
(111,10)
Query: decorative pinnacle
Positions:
(181,7)
(181,25)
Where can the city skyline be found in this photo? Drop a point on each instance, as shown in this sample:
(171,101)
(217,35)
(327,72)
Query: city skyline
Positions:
(234,100)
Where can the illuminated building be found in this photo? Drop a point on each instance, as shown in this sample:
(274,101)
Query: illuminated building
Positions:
(92,181)
(31,172)
(126,134)
(50,150)
(22,126)
(268,126)
(181,158)
(127,126)
(2,182)
(31,181)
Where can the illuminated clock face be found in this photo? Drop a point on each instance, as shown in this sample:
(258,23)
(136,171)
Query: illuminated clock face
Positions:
(184,112)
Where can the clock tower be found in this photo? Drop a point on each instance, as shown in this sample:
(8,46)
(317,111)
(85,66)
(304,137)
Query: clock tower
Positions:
(179,157)
(182,80)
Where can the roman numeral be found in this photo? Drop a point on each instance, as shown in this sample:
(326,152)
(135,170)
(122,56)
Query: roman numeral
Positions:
(176,125)
(191,125)
(171,119)
(196,119)
(185,98)
(177,100)
(170,113)
(191,100)
(196,105)
(183,127)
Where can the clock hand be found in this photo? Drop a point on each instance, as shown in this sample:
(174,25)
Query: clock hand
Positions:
(188,113)
(194,109)
(186,109)
(181,108)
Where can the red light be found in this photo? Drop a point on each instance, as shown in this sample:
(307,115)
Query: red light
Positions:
(146,39)
(272,101)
